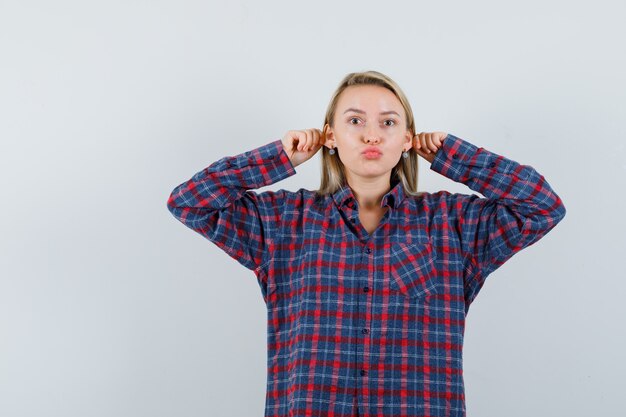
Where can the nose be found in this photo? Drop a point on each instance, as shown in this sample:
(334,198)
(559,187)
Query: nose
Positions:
(372,136)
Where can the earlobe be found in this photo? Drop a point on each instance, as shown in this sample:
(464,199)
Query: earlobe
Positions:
(329,143)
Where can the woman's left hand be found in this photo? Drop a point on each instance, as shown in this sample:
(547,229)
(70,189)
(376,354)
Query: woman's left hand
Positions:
(427,144)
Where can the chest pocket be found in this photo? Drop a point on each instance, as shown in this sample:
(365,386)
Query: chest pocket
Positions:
(413,269)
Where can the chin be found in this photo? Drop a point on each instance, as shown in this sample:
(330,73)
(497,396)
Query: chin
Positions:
(373,173)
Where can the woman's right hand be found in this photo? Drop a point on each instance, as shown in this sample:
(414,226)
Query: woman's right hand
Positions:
(301,145)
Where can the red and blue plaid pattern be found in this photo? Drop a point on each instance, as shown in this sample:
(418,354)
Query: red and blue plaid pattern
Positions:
(369,321)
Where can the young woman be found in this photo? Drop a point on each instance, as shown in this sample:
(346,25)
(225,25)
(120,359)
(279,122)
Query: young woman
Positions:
(367,281)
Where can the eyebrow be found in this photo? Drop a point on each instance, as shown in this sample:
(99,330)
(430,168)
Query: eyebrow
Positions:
(362,112)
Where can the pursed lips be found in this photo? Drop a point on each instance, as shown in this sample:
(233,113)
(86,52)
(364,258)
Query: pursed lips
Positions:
(371,149)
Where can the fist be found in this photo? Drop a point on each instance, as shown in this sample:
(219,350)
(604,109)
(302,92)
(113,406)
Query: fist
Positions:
(427,144)
(301,145)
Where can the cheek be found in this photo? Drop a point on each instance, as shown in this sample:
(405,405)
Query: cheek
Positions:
(349,131)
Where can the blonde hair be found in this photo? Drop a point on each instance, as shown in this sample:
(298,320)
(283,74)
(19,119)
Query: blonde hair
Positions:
(333,171)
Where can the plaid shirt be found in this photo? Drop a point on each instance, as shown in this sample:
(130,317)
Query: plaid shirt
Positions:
(360,323)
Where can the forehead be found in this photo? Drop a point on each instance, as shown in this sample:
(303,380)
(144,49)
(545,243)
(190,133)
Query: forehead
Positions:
(372,98)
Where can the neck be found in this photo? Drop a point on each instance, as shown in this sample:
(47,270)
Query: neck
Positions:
(369,192)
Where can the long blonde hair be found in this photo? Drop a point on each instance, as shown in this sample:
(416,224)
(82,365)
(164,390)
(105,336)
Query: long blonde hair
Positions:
(333,171)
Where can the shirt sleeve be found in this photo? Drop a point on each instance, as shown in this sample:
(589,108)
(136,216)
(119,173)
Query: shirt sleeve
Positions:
(519,207)
(218,204)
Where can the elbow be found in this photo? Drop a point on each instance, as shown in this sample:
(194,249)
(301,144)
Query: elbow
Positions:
(545,218)
(173,207)
(170,203)
(559,211)
(549,216)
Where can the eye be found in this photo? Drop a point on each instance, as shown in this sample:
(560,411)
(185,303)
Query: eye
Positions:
(353,118)
(393,122)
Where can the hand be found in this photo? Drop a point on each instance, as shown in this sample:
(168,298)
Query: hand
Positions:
(301,145)
(427,144)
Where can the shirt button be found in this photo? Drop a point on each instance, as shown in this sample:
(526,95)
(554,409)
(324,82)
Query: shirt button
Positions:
(271,156)
(493,164)
(366,289)
(368,250)
(352,219)
(363,372)
(365,331)
(455,156)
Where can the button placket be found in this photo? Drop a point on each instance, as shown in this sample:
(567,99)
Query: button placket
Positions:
(365,331)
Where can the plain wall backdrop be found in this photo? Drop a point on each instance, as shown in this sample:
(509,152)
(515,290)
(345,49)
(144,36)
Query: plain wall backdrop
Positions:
(111,307)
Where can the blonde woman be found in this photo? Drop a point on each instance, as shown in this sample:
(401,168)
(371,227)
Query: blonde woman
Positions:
(367,281)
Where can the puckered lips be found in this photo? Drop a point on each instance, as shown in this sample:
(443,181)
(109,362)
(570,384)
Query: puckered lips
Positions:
(371,152)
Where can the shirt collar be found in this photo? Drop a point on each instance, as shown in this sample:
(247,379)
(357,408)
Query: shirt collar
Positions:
(345,197)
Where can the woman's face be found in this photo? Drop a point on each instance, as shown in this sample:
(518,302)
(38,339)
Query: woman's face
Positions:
(369,117)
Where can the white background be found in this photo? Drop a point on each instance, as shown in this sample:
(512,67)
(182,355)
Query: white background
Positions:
(110,307)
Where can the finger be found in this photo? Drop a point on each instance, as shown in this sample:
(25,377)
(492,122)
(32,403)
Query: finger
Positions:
(431,143)
(301,137)
(317,138)
(303,141)
(310,140)
(436,142)
(424,140)
(313,142)
(424,155)
(416,142)
(437,139)
(440,138)
(292,139)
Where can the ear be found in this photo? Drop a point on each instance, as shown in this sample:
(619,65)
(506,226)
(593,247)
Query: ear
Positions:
(329,141)
(408,140)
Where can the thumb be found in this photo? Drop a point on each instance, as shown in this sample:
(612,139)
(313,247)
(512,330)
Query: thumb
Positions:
(427,156)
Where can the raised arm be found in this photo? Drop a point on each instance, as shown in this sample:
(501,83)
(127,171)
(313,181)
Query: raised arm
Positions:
(519,207)
(217,202)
